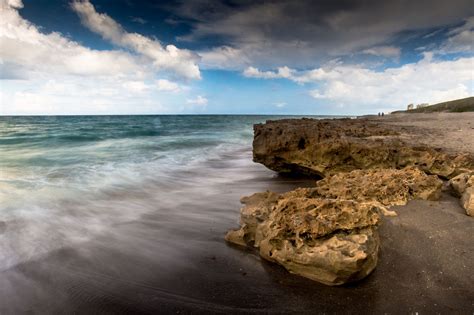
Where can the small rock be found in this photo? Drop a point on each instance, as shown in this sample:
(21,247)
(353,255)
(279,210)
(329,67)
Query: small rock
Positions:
(463,187)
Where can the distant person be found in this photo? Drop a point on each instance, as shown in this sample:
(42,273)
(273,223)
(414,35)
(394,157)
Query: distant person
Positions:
(383,114)
(378,114)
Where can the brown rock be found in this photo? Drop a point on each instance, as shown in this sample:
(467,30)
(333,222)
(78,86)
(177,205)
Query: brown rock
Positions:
(326,147)
(463,186)
(388,186)
(467,201)
(328,233)
(330,241)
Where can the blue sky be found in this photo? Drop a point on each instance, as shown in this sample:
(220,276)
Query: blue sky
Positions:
(232,57)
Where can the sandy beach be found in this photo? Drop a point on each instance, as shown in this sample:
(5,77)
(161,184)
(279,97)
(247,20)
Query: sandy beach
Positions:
(175,259)
(452,131)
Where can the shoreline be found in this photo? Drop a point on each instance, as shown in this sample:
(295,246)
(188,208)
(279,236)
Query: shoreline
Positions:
(174,258)
(437,227)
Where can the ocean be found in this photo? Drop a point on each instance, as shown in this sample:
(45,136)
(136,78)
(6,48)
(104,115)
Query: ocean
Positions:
(129,213)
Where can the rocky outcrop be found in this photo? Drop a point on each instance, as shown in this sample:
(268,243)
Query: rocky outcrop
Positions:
(388,186)
(463,186)
(330,241)
(329,233)
(326,147)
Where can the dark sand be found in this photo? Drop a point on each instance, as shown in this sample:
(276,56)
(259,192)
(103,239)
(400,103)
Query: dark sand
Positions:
(425,266)
(175,260)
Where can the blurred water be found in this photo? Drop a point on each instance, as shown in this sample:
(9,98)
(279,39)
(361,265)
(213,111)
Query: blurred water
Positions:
(66,179)
(127,215)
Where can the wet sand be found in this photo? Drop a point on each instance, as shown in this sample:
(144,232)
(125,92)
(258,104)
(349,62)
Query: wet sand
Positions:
(165,263)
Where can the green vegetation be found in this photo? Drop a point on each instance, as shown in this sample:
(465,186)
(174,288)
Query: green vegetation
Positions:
(456,106)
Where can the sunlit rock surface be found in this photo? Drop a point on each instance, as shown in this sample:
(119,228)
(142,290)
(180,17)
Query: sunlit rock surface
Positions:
(463,187)
(329,233)
(330,241)
(388,186)
(326,147)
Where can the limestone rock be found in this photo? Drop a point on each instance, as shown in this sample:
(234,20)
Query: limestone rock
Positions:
(326,147)
(327,240)
(329,233)
(388,186)
(463,186)
(467,201)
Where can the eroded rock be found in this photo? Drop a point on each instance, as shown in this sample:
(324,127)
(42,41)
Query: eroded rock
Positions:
(327,240)
(329,233)
(463,186)
(326,147)
(388,186)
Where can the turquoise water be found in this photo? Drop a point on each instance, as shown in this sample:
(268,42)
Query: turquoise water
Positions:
(127,214)
(67,179)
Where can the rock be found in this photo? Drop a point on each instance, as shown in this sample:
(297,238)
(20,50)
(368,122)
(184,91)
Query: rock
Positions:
(388,186)
(328,233)
(463,186)
(467,201)
(326,240)
(326,147)
(459,183)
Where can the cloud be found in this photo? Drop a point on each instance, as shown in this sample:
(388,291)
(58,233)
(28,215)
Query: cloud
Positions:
(281,73)
(47,73)
(139,20)
(305,33)
(384,51)
(25,51)
(167,86)
(223,57)
(461,39)
(199,100)
(427,80)
(177,61)
(280,104)
(73,95)
(135,86)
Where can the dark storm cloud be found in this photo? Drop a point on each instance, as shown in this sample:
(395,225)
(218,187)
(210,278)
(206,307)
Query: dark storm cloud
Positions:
(302,33)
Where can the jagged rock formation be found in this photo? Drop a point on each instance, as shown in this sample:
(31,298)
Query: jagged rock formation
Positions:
(463,187)
(326,147)
(329,233)
(388,186)
(330,241)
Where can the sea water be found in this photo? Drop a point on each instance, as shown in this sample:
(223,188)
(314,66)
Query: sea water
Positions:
(110,202)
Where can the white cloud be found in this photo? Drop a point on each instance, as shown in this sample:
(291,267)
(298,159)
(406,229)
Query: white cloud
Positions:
(223,57)
(135,86)
(427,80)
(73,95)
(383,51)
(47,73)
(27,51)
(280,104)
(167,86)
(199,100)
(281,73)
(170,58)
(17,4)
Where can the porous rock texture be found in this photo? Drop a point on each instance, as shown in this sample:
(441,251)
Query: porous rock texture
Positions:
(330,241)
(463,187)
(329,233)
(388,186)
(326,147)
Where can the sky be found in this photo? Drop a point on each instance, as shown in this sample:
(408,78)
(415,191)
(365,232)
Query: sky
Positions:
(349,57)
